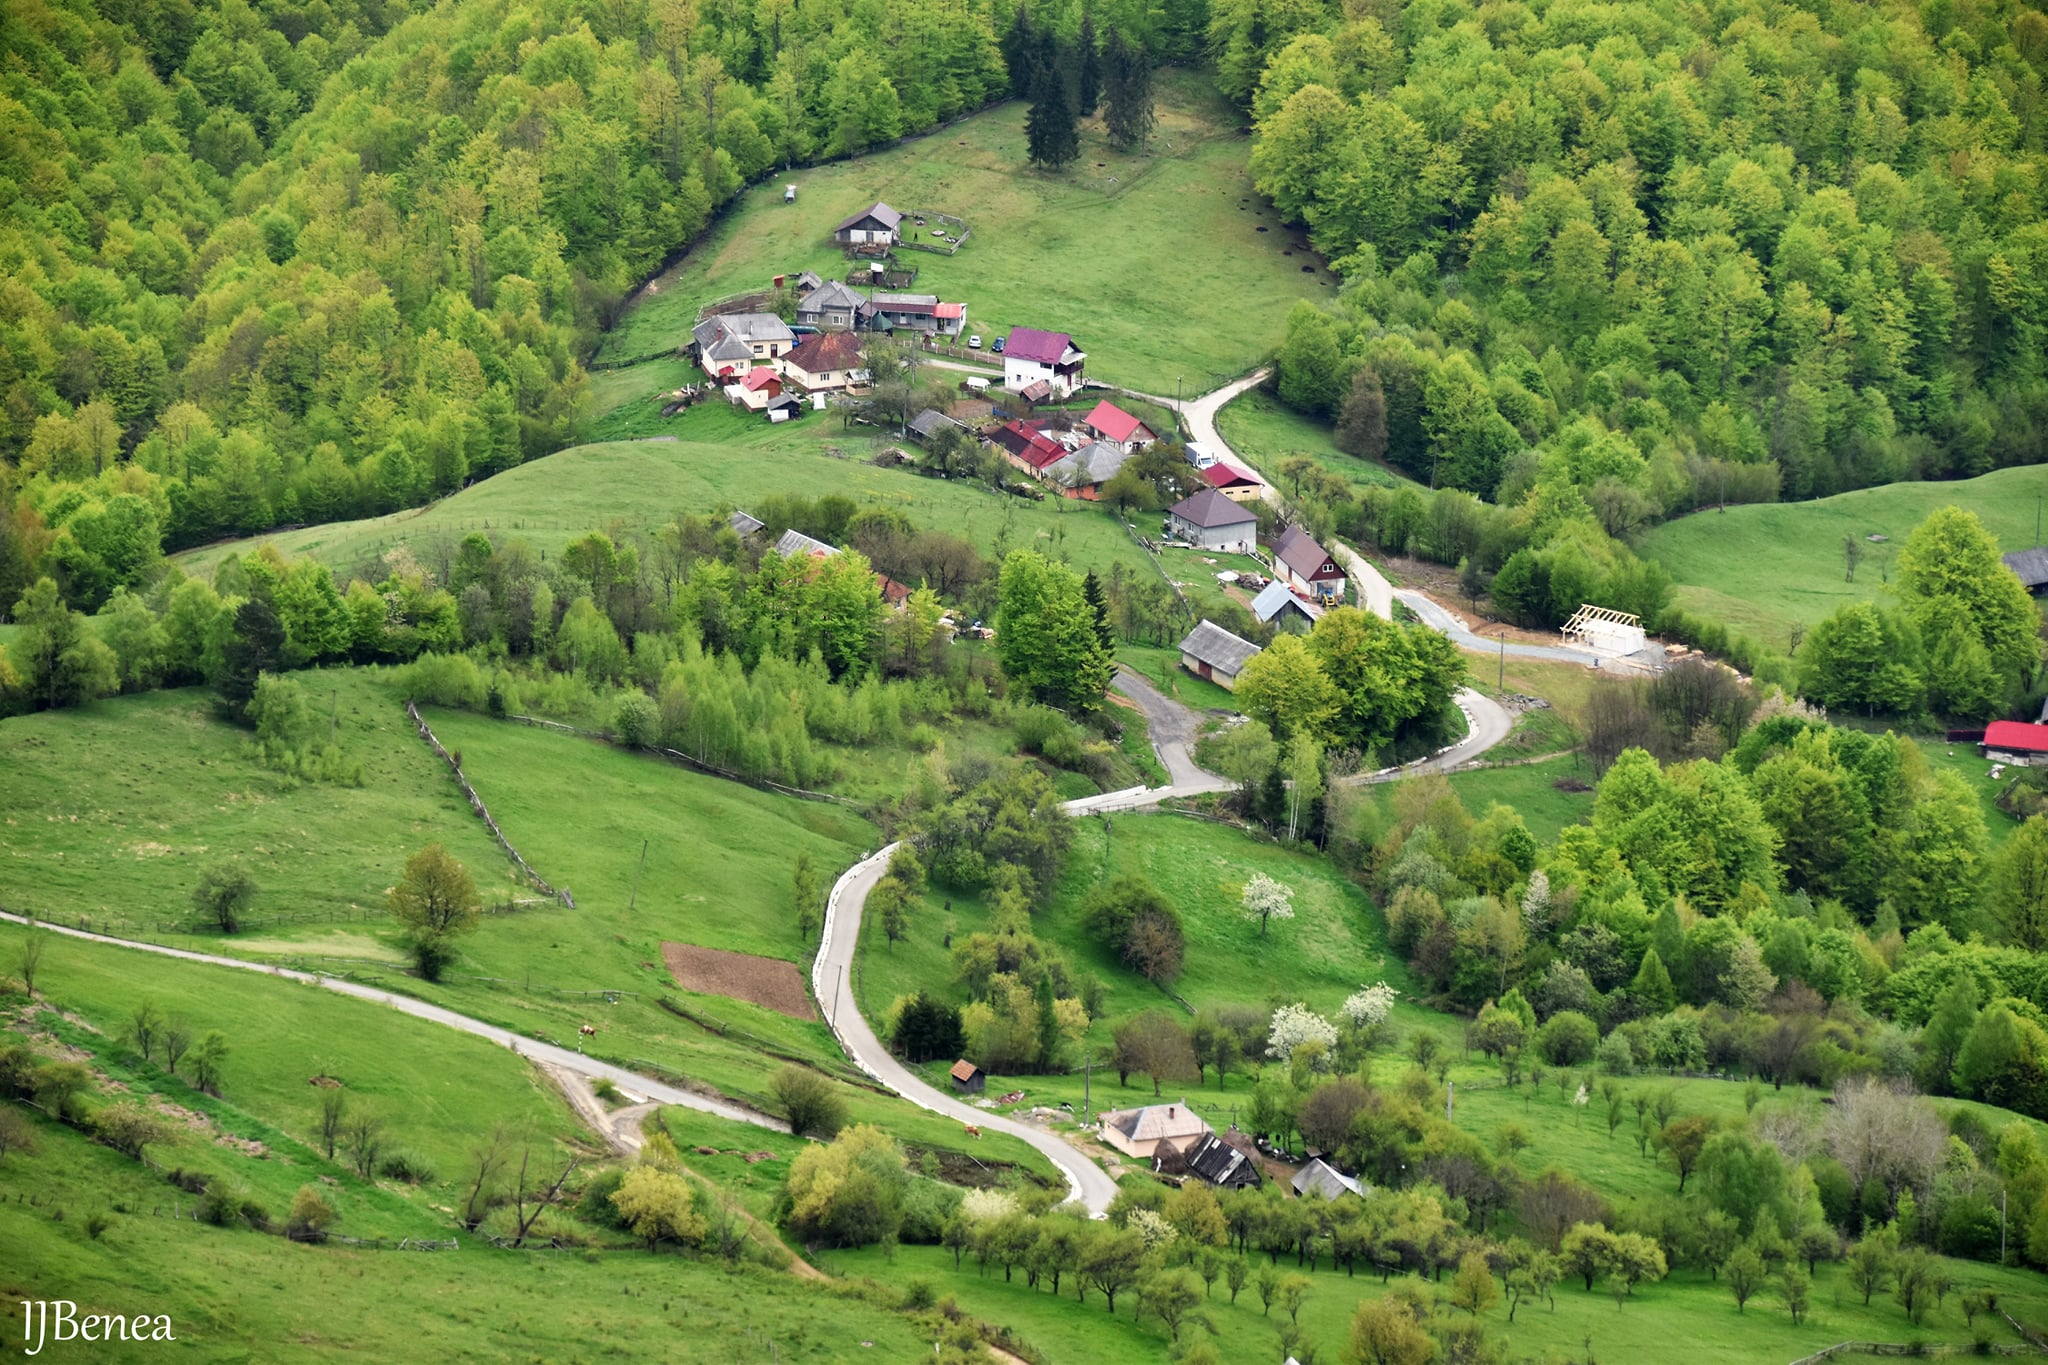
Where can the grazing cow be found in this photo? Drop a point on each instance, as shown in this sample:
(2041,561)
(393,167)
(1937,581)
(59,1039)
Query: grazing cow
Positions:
(973,1131)
(587,1031)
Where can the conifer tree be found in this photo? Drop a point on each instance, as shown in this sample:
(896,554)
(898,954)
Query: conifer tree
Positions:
(1127,92)
(1051,134)
(1018,47)
(1087,69)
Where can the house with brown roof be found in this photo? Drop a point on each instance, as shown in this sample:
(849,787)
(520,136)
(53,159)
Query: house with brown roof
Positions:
(1307,567)
(1026,446)
(826,363)
(875,225)
(1213,522)
(1140,1132)
(1112,424)
(968,1078)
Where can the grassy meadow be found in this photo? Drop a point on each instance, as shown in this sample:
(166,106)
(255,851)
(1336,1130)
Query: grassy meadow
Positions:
(1268,434)
(1163,265)
(1767,568)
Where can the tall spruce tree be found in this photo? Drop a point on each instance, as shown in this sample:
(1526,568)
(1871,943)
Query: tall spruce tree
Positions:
(1087,69)
(1127,93)
(1052,135)
(1019,47)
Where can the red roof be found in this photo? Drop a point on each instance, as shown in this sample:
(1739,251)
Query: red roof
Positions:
(2016,737)
(950,310)
(1028,444)
(1221,475)
(1114,423)
(758,379)
(1046,348)
(893,593)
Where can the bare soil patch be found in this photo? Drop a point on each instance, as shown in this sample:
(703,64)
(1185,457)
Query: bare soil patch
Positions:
(766,981)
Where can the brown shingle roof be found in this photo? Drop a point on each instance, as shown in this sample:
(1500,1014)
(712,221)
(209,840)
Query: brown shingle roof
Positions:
(964,1070)
(825,352)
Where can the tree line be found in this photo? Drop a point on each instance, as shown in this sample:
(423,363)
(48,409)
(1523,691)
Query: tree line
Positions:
(1778,258)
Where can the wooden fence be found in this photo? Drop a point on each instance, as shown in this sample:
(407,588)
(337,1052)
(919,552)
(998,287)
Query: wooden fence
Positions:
(957,232)
(476,803)
(677,756)
(1910,1348)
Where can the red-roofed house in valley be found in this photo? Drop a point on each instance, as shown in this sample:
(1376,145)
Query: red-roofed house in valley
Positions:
(756,391)
(1031,356)
(2012,741)
(1026,447)
(1112,424)
(1231,482)
(826,363)
(1306,566)
(894,594)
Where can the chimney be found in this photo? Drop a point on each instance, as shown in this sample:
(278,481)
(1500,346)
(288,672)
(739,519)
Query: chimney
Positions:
(1169,1111)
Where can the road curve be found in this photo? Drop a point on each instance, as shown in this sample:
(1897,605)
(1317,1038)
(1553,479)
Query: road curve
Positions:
(831,982)
(1174,728)
(545,1053)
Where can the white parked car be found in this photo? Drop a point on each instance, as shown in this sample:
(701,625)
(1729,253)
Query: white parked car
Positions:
(974,342)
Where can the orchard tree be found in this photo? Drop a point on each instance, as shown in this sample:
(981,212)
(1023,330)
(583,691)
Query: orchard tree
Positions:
(223,896)
(1266,900)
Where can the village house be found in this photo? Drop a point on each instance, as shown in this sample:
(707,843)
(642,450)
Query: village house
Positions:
(833,305)
(1232,482)
(826,363)
(1278,606)
(1321,1178)
(1111,423)
(2030,567)
(730,344)
(795,544)
(885,312)
(968,1078)
(1306,566)
(1212,653)
(931,422)
(1229,1161)
(1140,1132)
(874,226)
(1032,357)
(756,391)
(1213,522)
(1026,446)
(744,524)
(1081,473)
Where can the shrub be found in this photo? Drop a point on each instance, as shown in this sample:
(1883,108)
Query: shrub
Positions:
(311,1214)
(96,1224)
(1568,1038)
(809,1101)
(636,720)
(595,1204)
(410,1167)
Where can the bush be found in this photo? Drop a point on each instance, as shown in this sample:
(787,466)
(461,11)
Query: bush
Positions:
(311,1214)
(96,1224)
(636,720)
(409,1167)
(595,1204)
(223,1203)
(809,1101)
(927,1204)
(1568,1039)
(1616,1057)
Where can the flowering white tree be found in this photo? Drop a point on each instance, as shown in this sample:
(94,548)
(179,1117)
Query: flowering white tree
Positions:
(1294,1025)
(1266,900)
(1536,902)
(1153,1229)
(985,1206)
(1369,1007)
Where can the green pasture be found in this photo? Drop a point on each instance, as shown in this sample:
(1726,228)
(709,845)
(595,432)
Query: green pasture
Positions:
(1267,434)
(1531,788)
(1163,265)
(1768,568)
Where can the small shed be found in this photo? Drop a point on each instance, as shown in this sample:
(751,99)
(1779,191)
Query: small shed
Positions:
(744,524)
(1226,1160)
(1213,653)
(1277,605)
(2031,568)
(875,225)
(1321,1178)
(968,1078)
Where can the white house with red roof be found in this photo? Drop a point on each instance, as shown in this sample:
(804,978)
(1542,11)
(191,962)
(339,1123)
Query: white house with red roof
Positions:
(1112,424)
(756,390)
(1232,482)
(1050,358)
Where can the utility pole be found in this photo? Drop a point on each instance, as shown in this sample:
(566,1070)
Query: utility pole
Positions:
(634,899)
(1087,1095)
(1502,684)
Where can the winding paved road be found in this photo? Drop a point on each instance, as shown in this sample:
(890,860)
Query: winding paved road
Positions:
(547,1054)
(830,980)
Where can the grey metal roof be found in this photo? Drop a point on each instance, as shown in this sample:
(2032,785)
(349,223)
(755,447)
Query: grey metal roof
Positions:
(794,542)
(1094,463)
(1209,509)
(931,420)
(1277,597)
(2030,565)
(1218,648)
(746,328)
(744,524)
(834,294)
(1218,1162)
(1326,1180)
(878,211)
